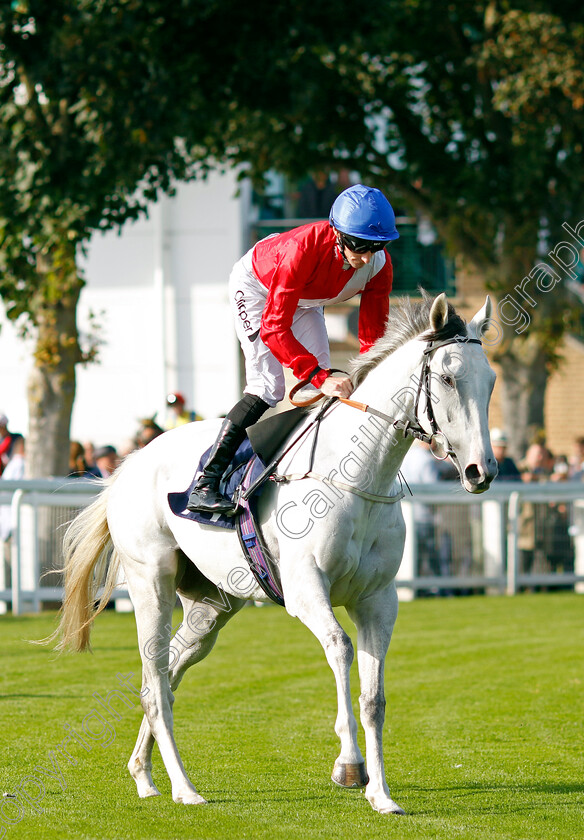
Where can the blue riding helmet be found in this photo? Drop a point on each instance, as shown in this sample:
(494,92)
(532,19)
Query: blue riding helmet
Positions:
(364,212)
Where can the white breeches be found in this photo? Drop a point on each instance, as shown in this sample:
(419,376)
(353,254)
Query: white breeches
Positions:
(264,373)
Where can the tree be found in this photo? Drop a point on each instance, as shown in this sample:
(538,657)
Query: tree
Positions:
(106,103)
(470,112)
(480,118)
(473,114)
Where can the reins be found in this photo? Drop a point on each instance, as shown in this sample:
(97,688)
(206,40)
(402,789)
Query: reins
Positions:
(270,469)
(437,440)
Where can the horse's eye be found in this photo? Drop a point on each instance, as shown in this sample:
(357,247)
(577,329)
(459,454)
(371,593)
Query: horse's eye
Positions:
(448,381)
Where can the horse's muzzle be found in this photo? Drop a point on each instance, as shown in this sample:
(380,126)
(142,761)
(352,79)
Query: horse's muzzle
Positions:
(478,479)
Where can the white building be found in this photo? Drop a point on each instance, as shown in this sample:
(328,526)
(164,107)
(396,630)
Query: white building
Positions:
(160,293)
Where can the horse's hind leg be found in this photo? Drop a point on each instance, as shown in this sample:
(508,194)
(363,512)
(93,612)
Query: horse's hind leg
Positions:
(140,763)
(153,591)
(203,616)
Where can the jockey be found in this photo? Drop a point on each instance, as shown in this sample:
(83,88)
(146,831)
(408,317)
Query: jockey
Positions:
(278,291)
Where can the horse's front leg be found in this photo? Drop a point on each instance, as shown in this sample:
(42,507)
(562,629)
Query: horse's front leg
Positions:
(307,598)
(374,618)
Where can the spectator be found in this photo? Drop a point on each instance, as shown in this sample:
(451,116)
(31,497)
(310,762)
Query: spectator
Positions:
(148,431)
(14,471)
(560,548)
(6,439)
(316,196)
(89,454)
(576,459)
(107,459)
(543,542)
(508,470)
(128,446)
(561,470)
(178,414)
(538,464)
(78,466)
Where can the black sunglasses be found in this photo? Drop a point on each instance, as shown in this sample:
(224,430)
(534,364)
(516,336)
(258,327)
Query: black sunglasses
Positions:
(361,246)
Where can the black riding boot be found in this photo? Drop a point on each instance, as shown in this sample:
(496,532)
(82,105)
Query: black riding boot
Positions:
(205,496)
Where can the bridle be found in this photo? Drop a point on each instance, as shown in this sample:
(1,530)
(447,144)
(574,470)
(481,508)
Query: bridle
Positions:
(436,439)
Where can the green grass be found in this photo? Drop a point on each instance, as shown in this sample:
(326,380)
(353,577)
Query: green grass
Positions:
(484,735)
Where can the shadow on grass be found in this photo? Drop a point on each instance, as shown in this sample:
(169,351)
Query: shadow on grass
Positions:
(59,696)
(519,790)
(286,795)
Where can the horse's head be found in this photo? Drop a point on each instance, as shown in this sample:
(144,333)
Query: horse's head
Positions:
(461,383)
(446,399)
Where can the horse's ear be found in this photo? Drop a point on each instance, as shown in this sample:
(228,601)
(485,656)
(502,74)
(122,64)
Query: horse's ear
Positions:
(439,313)
(480,322)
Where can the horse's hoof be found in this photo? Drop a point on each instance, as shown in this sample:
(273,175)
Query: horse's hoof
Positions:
(145,792)
(143,780)
(190,798)
(385,805)
(392,809)
(350,775)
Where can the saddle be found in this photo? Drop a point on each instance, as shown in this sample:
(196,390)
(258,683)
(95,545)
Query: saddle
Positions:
(249,463)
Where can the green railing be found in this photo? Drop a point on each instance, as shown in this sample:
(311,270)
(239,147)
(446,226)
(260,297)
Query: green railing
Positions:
(416,264)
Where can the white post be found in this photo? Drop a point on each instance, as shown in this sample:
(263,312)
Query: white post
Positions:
(15,551)
(512,547)
(494,538)
(4,546)
(28,554)
(407,569)
(579,543)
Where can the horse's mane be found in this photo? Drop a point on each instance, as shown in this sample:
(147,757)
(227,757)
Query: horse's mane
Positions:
(407,319)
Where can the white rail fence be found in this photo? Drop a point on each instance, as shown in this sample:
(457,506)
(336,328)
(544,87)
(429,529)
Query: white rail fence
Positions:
(515,537)
(37,511)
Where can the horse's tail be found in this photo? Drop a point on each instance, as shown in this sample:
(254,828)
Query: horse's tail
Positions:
(91,571)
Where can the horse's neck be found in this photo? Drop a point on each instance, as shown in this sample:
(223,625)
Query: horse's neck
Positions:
(353,436)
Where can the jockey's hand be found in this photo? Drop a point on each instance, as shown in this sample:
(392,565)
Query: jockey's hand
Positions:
(339,385)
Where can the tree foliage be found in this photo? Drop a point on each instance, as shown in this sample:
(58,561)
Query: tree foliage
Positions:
(106,103)
(473,114)
(481,116)
(470,112)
